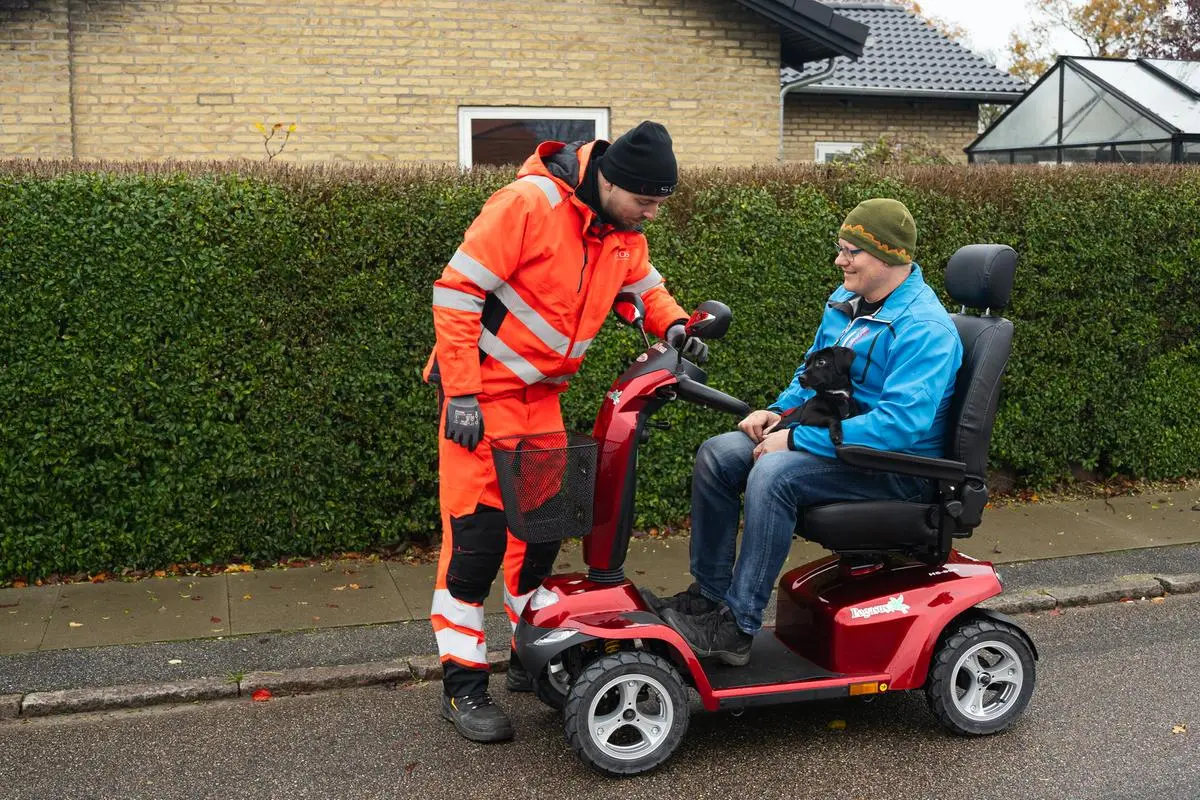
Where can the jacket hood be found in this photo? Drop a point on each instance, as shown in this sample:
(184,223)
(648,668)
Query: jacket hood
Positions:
(564,162)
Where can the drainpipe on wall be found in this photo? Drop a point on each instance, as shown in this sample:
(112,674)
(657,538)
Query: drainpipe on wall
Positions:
(788,88)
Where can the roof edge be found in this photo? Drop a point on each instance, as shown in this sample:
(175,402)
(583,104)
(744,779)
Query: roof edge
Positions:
(945,94)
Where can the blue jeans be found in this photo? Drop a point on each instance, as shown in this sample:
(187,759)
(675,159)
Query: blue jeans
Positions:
(776,486)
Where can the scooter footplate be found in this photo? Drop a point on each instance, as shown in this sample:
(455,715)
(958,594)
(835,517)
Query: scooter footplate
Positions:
(771,662)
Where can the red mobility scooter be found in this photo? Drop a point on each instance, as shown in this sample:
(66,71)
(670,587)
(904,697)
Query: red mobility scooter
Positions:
(893,608)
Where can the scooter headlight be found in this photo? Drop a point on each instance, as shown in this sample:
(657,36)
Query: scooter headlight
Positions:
(555,636)
(543,598)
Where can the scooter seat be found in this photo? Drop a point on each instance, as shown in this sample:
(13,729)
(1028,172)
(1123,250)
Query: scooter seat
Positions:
(871,526)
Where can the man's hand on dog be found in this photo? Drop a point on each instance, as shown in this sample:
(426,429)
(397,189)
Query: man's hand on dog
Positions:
(757,423)
(772,442)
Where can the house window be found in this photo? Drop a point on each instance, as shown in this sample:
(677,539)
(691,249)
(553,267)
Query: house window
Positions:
(828,152)
(509,135)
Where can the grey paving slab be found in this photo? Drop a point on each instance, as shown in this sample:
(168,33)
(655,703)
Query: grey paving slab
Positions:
(151,610)
(336,594)
(1156,519)
(1021,533)
(23,617)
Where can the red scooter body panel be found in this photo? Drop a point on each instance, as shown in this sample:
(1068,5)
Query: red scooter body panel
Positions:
(615,431)
(887,621)
(603,611)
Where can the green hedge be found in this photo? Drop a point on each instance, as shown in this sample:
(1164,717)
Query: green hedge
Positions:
(217,362)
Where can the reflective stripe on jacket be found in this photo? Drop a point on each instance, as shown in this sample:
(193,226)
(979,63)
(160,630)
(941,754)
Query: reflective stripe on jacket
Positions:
(527,291)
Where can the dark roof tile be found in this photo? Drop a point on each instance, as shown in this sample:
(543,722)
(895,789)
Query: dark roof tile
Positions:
(904,54)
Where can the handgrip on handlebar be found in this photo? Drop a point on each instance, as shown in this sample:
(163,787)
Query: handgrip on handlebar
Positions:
(704,395)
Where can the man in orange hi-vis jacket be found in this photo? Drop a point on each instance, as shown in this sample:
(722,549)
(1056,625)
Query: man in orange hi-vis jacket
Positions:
(514,313)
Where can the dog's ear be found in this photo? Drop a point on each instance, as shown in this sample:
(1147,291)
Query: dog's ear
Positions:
(843,357)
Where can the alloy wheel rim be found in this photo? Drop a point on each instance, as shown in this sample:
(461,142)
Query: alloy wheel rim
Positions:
(987,680)
(630,717)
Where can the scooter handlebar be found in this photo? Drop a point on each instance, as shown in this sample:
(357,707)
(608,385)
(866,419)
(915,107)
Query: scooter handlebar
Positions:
(704,395)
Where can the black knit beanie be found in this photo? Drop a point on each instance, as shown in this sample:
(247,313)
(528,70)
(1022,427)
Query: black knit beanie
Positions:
(641,161)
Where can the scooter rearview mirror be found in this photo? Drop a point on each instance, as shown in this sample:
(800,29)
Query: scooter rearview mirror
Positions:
(710,320)
(630,309)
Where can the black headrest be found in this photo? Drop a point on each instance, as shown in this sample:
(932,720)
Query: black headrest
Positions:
(981,275)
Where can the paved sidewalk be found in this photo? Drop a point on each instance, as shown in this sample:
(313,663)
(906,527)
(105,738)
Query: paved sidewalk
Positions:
(78,647)
(352,593)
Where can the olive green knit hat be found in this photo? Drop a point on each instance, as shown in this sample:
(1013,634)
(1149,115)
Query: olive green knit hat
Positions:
(883,228)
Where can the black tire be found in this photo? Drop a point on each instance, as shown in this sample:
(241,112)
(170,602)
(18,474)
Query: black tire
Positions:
(650,690)
(550,688)
(981,677)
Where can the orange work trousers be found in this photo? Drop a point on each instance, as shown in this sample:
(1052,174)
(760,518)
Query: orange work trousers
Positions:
(476,541)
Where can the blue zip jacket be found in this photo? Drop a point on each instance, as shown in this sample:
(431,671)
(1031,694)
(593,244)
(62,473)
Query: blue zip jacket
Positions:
(907,355)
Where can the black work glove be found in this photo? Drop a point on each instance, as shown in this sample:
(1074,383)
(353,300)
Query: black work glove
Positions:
(464,421)
(692,348)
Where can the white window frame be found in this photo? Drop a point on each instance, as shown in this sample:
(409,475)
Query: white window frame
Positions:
(825,149)
(599,116)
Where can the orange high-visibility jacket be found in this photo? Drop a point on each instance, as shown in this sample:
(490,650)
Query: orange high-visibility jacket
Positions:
(531,284)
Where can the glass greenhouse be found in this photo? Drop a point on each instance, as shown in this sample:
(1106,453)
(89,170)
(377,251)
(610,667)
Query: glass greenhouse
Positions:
(1100,110)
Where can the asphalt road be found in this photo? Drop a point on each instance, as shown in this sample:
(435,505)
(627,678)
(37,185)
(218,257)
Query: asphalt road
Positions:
(1113,683)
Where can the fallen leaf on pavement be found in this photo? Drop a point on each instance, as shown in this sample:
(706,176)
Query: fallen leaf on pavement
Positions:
(261,695)
(354,586)
(19,584)
(1159,600)
(331,605)
(197,597)
(339,588)
(1179,729)
(1056,612)
(276,587)
(214,620)
(247,597)
(75,624)
(175,661)
(837,725)
(160,573)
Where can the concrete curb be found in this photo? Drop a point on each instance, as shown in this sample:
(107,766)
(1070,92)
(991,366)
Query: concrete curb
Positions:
(428,668)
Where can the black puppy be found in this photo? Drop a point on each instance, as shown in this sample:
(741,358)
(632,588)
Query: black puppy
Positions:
(827,372)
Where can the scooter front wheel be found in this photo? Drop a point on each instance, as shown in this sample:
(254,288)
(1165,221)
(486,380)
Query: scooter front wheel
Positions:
(626,713)
(981,678)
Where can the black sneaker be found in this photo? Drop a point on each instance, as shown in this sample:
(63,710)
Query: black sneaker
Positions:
(477,718)
(689,601)
(713,634)
(518,678)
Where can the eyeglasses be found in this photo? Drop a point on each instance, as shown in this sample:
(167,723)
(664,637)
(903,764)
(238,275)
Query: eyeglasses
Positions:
(848,252)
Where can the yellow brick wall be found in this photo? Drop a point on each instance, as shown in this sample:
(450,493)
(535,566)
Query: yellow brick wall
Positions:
(35,106)
(948,124)
(368,80)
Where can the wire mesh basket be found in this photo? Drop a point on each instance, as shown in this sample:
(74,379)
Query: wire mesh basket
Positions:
(547,481)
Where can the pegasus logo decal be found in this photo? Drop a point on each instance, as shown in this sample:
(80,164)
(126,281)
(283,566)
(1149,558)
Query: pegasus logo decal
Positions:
(894,605)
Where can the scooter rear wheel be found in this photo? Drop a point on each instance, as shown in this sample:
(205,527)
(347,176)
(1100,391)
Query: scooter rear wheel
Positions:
(626,713)
(981,677)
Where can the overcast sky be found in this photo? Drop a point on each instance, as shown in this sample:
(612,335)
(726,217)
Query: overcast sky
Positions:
(988,23)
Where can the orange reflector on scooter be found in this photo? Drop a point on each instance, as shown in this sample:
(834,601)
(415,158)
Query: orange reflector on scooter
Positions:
(872,687)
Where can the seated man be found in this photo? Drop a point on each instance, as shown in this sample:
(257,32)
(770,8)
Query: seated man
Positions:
(906,355)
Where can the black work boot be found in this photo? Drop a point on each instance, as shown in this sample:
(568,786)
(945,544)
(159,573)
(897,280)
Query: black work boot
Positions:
(518,678)
(713,634)
(689,602)
(477,718)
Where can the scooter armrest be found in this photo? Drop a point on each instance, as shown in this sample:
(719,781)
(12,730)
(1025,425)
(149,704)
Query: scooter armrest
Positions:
(940,469)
